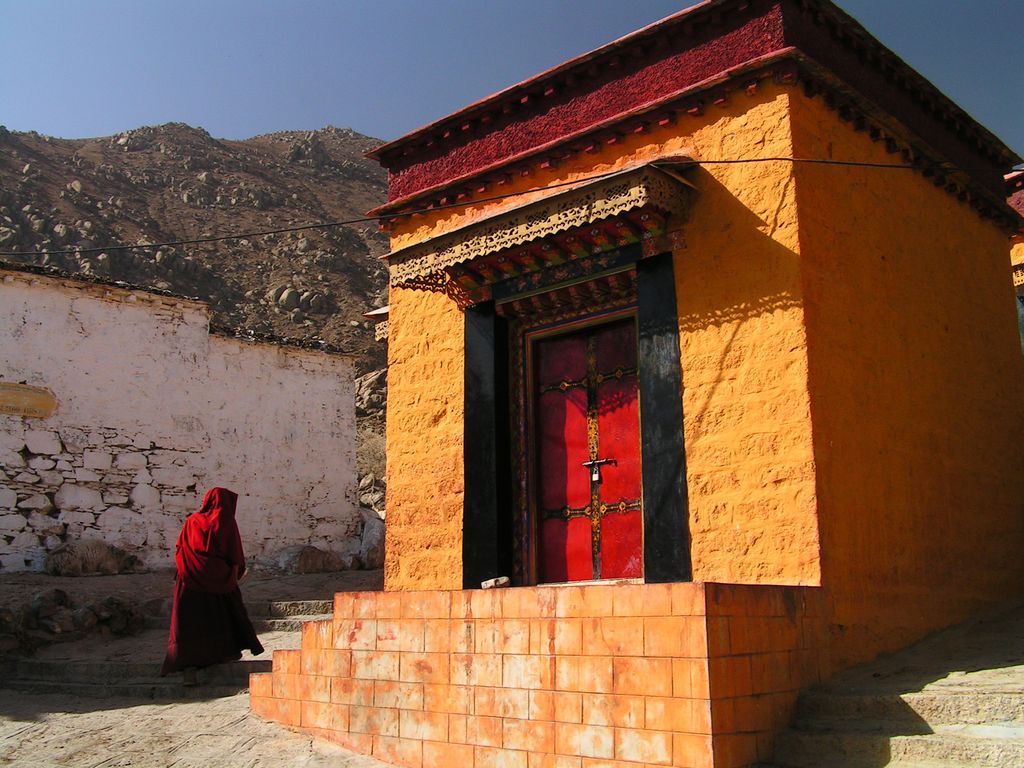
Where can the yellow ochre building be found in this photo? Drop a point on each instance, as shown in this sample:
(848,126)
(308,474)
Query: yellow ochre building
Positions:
(706,340)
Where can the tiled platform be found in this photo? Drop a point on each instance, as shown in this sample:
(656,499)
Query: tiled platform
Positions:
(576,676)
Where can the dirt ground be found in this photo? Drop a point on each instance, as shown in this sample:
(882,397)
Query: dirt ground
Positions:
(49,730)
(53,730)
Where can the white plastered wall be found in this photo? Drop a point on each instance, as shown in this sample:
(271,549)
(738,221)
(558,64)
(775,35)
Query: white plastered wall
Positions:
(152,410)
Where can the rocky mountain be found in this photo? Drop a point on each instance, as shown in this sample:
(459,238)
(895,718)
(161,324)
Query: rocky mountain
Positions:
(69,201)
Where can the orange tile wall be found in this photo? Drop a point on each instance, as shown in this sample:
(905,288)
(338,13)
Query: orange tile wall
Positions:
(568,677)
(764,645)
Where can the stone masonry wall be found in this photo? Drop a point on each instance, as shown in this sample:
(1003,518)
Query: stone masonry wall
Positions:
(151,411)
(59,483)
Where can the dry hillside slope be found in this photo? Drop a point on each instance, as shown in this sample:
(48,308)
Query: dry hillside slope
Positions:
(174,182)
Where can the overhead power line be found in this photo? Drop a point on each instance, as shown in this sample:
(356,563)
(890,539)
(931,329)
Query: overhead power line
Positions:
(477,201)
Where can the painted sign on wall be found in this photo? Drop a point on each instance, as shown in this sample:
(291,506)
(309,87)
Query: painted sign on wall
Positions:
(25,400)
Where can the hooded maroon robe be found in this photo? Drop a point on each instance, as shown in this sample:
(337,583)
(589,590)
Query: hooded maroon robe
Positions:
(209,623)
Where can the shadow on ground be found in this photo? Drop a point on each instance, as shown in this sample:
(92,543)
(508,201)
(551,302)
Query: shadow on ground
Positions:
(111,672)
(954,696)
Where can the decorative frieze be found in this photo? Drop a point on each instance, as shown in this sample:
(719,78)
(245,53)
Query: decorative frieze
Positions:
(587,219)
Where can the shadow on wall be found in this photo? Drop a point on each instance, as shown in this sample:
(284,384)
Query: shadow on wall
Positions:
(754,277)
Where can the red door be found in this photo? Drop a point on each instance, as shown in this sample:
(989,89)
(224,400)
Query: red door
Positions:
(587,427)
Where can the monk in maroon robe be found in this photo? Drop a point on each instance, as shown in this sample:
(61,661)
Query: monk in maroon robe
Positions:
(209,623)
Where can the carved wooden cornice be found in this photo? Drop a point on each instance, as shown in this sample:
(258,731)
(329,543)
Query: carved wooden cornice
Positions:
(587,219)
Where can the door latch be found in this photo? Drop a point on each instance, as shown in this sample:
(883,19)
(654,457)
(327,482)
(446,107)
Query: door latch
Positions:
(595,468)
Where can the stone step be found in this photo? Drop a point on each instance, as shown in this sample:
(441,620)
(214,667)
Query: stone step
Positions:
(264,615)
(907,713)
(890,764)
(107,671)
(129,679)
(289,624)
(285,608)
(151,691)
(989,746)
(260,624)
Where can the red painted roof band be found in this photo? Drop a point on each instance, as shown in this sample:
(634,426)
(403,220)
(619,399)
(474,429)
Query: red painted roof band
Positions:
(495,100)
(697,47)
(772,64)
(616,88)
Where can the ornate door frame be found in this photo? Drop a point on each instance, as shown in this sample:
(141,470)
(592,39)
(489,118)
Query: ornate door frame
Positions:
(584,470)
(593,303)
(498,538)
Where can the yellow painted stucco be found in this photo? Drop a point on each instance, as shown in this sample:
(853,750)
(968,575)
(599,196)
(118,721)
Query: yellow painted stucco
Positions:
(743,353)
(853,387)
(916,394)
(424,442)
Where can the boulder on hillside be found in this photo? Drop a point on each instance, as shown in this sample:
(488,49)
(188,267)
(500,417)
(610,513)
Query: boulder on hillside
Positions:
(90,557)
(305,558)
(371,392)
(371,547)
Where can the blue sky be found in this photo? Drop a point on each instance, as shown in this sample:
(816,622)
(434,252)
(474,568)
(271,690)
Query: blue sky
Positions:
(384,67)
